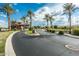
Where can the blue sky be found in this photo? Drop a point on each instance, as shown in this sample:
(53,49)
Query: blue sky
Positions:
(39,9)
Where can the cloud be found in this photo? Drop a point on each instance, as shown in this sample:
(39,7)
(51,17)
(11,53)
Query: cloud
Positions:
(3,15)
(55,8)
(10,5)
(15,3)
(77,4)
(48,9)
(3,23)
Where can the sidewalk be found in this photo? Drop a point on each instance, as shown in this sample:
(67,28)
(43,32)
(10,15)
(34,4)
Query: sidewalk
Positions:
(73,36)
(8,46)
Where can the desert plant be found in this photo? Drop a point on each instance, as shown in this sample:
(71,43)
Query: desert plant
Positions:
(61,32)
(53,31)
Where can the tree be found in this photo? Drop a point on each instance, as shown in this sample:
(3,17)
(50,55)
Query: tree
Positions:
(13,22)
(47,19)
(51,19)
(8,10)
(24,19)
(30,14)
(69,8)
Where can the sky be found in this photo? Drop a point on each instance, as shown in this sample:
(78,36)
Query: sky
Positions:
(39,9)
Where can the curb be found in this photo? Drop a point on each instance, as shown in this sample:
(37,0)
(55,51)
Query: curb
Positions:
(35,34)
(69,47)
(9,51)
(72,36)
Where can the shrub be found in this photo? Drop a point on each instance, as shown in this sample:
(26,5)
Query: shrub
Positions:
(0,29)
(47,30)
(61,33)
(33,31)
(53,31)
(50,30)
(30,28)
(76,32)
(55,27)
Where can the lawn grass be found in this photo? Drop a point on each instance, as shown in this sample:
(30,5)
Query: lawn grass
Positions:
(28,32)
(3,37)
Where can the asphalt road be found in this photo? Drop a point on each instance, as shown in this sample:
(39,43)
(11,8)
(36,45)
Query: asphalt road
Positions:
(47,44)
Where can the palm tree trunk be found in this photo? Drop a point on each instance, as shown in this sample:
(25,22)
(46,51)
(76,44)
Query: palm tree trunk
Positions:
(50,23)
(70,22)
(47,24)
(30,22)
(9,23)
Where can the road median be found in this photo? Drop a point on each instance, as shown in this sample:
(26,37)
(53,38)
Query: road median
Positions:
(33,34)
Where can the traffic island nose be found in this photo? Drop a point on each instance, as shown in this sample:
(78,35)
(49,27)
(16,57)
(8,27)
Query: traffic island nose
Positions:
(72,47)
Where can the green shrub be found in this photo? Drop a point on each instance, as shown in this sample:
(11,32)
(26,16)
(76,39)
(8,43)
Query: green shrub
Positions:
(33,31)
(55,27)
(61,32)
(30,28)
(76,32)
(53,31)
(0,29)
(48,30)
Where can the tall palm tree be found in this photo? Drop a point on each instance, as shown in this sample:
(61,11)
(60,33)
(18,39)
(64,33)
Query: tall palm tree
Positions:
(24,19)
(47,19)
(13,21)
(30,14)
(8,10)
(69,8)
(51,19)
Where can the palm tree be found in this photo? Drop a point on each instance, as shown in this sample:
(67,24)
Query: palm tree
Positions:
(69,8)
(24,19)
(51,19)
(47,19)
(8,10)
(30,14)
(13,22)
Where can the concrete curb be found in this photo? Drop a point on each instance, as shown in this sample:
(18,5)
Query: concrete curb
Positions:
(71,48)
(35,34)
(72,36)
(9,51)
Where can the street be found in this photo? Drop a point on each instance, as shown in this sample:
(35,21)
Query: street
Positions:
(47,44)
